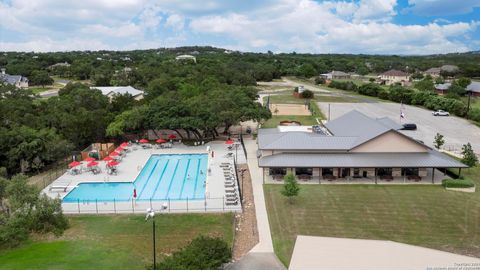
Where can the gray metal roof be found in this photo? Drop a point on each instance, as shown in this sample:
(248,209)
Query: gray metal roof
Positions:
(355,123)
(431,159)
(349,130)
(268,140)
(474,87)
(12,79)
(443,86)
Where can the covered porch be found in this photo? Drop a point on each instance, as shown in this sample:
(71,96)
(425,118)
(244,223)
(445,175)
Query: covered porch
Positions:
(338,175)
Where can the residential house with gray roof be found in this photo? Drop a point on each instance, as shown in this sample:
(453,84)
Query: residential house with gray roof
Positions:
(18,80)
(351,148)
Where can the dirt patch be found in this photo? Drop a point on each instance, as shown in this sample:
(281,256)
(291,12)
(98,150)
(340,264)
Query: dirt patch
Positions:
(289,109)
(246,234)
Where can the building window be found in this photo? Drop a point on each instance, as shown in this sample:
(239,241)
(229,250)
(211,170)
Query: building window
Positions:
(384,172)
(278,171)
(344,172)
(303,171)
(410,171)
(356,173)
(327,171)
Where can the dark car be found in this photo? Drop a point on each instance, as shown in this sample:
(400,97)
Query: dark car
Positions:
(409,126)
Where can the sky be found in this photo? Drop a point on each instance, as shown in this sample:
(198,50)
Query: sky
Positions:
(404,27)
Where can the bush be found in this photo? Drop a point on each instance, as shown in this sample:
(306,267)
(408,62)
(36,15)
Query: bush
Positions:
(458,183)
(370,89)
(401,94)
(306,94)
(203,253)
(320,80)
(349,86)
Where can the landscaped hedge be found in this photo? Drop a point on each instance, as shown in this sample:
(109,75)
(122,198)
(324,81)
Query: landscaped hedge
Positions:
(349,86)
(458,183)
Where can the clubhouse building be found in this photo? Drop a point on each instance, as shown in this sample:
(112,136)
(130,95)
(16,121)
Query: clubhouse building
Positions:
(352,148)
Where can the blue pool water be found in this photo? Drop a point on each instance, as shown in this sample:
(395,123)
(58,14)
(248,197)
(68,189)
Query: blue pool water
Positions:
(174,177)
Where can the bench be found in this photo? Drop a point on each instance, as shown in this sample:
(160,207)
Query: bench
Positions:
(329,177)
(416,178)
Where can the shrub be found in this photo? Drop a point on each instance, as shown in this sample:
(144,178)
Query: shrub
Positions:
(306,94)
(474,114)
(401,94)
(320,80)
(349,86)
(383,94)
(370,89)
(458,183)
(203,253)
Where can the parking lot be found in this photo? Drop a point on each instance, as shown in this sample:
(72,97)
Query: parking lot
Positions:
(457,131)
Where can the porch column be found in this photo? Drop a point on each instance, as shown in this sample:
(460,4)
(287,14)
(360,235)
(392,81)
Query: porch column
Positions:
(263,170)
(375,175)
(433,175)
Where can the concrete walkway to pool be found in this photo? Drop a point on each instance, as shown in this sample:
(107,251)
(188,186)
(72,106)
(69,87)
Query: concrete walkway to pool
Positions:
(129,168)
(261,256)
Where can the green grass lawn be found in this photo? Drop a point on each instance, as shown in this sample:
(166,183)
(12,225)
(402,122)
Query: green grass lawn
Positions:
(306,120)
(426,216)
(115,242)
(288,98)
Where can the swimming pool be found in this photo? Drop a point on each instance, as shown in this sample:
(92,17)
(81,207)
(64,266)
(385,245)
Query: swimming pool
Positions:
(164,177)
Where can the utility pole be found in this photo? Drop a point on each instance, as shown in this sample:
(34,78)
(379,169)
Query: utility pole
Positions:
(468,104)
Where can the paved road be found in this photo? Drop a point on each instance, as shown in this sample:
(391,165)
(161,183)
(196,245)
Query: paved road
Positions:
(457,131)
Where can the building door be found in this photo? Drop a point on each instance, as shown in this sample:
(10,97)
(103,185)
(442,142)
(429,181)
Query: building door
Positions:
(365,174)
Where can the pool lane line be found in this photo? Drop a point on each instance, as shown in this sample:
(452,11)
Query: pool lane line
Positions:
(196,178)
(171,180)
(183,184)
(184,178)
(160,180)
(148,178)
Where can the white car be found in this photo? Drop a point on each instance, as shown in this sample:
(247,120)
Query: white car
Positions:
(440,113)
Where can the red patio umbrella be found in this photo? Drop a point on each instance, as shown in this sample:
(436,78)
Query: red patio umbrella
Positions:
(114,154)
(161,141)
(108,158)
(91,164)
(119,149)
(88,159)
(172,136)
(143,141)
(113,163)
(229,141)
(74,164)
(124,144)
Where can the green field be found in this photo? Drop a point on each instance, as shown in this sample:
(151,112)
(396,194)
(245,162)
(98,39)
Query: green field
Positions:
(420,215)
(305,120)
(115,242)
(290,99)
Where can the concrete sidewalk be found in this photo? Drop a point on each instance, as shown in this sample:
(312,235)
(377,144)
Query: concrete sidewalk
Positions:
(264,236)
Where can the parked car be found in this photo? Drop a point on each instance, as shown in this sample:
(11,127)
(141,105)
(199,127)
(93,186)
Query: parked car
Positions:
(409,126)
(440,113)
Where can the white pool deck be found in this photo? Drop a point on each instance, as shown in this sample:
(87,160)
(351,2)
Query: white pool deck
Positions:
(130,167)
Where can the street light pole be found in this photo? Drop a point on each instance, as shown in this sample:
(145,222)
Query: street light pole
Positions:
(151,213)
(154,253)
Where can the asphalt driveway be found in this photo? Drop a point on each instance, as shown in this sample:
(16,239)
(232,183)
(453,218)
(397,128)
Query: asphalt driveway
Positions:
(457,131)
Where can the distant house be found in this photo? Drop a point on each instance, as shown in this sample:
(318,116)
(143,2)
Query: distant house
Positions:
(65,64)
(18,80)
(394,76)
(442,88)
(335,75)
(186,57)
(473,88)
(111,91)
(449,68)
(433,72)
